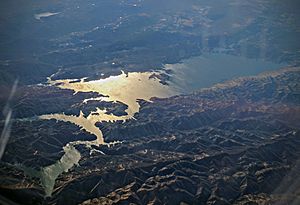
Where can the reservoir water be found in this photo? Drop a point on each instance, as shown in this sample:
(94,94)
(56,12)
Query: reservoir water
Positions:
(127,88)
(208,69)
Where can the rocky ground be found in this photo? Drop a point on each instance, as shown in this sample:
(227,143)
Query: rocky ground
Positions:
(234,143)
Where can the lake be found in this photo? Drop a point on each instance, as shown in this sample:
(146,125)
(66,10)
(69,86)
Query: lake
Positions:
(127,88)
(208,69)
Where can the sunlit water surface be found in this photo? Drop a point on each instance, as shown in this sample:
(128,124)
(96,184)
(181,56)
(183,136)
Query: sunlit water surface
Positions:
(185,77)
(124,88)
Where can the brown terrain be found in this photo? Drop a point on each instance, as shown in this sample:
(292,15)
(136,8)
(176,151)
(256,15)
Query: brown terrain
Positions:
(235,143)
